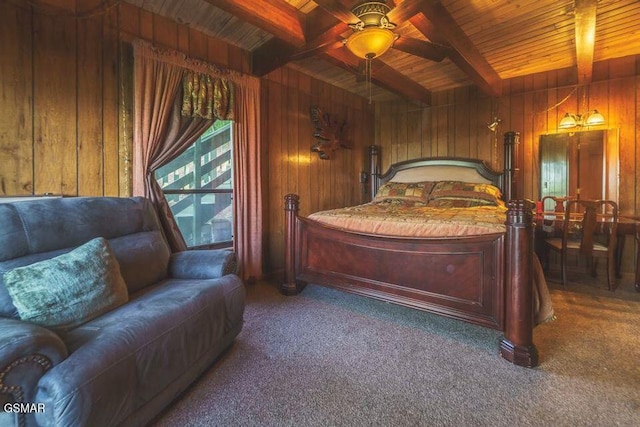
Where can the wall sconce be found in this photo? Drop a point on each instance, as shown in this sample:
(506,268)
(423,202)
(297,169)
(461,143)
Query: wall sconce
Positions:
(590,118)
(493,126)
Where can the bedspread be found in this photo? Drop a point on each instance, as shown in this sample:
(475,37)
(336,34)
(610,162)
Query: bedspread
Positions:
(415,220)
(402,219)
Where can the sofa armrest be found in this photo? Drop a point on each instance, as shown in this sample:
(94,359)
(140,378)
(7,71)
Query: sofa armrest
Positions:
(27,351)
(202,264)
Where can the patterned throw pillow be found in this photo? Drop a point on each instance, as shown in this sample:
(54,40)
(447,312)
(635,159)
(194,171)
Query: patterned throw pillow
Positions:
(467,194)
(454,202)
(70,289)
(409,191)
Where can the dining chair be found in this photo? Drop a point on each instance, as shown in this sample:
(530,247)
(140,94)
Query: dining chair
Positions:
(589,229)
(552,219)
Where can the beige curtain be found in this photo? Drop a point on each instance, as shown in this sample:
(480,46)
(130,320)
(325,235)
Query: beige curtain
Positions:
(154,144)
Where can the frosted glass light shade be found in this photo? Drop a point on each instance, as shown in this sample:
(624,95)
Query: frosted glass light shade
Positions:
(568,121)
(595,119)
(370,42)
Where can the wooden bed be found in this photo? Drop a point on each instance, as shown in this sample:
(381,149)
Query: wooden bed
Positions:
(483,279)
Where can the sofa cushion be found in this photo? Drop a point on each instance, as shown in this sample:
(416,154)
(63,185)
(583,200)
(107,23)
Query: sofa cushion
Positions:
(143,257)
(70,289)
(129,355)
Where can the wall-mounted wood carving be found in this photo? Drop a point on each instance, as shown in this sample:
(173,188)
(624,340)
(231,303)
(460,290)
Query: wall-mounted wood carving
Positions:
(330,133)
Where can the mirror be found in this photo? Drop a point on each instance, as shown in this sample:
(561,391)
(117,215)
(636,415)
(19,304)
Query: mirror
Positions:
(580,164)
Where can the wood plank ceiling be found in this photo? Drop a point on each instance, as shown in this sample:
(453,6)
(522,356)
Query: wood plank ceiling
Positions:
(442,45)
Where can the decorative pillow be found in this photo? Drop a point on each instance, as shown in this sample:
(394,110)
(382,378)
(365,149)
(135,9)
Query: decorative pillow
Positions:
(480,194)
(70,289)
(453,202)
(412,191)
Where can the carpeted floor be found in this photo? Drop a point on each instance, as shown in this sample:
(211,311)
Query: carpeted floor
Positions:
(327,358)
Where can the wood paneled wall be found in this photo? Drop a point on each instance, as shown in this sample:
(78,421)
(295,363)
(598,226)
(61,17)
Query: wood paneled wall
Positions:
(456,125)
(66,83)
(291,167)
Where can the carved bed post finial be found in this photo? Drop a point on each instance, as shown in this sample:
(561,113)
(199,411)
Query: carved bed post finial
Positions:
(511,141)
(517,344)
(374,170)
(291,207)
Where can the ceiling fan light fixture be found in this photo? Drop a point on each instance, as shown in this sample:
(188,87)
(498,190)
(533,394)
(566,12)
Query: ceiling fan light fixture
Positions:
(372,35)
(371,42)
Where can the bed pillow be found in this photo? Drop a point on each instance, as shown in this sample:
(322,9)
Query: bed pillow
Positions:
(407,191)
(65,291)
(464,194)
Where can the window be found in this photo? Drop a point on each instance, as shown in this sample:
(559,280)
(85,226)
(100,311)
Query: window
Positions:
(198,185)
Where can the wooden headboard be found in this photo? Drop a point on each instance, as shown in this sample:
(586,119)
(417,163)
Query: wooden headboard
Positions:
(448,169)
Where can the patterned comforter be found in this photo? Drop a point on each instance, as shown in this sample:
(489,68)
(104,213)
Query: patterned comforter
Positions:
(415,219)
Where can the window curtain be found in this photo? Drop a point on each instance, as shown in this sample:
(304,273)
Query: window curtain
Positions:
(162,132)
(247,177)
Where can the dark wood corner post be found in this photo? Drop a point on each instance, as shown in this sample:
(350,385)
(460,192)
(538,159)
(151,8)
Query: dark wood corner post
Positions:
(291,207)
(511,141)
(374,170)
(517,344)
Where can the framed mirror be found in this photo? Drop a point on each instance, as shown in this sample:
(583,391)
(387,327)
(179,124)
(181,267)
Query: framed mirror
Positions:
(581,164)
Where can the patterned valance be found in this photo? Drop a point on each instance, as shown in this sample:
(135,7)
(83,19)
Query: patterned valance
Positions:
(207,97)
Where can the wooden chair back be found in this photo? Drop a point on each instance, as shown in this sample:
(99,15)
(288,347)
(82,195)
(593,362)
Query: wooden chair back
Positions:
(553,220)
(557,205)
(591,222)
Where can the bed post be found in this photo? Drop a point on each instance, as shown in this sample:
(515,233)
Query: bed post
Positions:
(517,343)
(291,206)
(374,170)
(511,141)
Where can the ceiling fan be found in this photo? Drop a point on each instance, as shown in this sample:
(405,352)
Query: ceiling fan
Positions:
(366,31)
(369,24)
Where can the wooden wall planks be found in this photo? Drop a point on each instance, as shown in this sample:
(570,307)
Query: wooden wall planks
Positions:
(66,125)
(16,118)
(458,119)
(292,167)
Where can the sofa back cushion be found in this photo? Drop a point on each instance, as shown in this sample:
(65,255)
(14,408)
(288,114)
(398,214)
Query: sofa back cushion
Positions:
(49,224)
(31,231)
(143,257)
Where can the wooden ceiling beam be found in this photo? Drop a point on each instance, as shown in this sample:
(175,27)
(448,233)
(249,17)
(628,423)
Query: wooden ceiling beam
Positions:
(585,23)
(338,9)
(276,17)
(321,28)
(438,25)
(383,76)
(270,56)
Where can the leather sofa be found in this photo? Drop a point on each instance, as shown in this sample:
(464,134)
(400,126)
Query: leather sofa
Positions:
(124,366)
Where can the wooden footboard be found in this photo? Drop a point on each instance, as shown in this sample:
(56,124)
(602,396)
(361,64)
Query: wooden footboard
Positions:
(485,280)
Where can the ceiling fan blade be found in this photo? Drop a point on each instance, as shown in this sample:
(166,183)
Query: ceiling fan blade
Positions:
(421,48)
(317,50)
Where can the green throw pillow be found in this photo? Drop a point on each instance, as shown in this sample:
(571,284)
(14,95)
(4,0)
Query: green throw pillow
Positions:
(70,289)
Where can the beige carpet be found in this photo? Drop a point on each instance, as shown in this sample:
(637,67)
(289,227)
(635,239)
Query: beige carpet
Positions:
(327,358)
